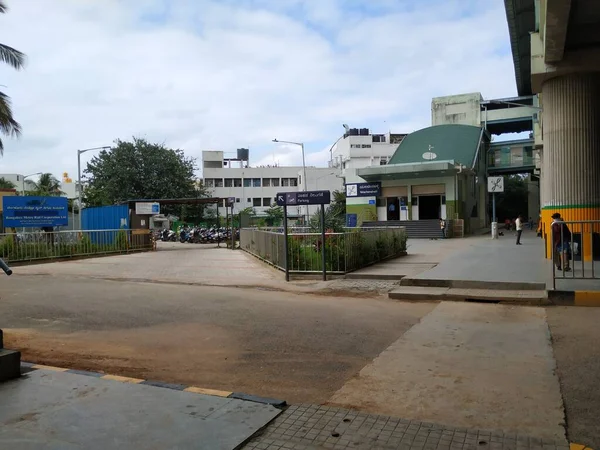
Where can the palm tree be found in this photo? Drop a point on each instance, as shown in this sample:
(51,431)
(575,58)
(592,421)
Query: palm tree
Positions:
(6,184)
(46,186)
(8,125)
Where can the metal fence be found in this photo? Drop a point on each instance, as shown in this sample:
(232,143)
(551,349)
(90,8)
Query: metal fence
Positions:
(15,247)
(575,250)
(344,252)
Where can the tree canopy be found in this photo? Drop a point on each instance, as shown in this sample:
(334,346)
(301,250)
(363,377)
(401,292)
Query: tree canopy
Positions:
(335,214)
(46,186)
(514,200)
(6,184)
(14,58)
(139,169)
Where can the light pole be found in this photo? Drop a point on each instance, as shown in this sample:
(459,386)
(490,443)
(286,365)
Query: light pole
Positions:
(23,181)
(79,186)
(303,165)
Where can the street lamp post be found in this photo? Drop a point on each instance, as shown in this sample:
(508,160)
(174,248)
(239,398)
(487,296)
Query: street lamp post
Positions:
(79,186)
(303,165)
(23,181)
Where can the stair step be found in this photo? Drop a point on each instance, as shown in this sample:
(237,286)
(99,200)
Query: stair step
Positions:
(475,284)
(457,294)
(10,364)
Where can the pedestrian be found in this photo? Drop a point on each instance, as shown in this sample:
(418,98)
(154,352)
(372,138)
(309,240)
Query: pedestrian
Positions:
(561,242)
(519,228)
(443,227)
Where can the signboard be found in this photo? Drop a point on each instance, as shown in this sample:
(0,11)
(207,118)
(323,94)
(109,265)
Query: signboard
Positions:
(303,198)
(495,184)
(351,220)
(363,190)
(146,208)
(34,212)
(371,202)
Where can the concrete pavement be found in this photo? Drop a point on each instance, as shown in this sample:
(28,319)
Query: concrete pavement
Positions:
(57,411)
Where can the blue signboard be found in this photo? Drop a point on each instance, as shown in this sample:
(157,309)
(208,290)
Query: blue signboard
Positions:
(34,212)
(351,220)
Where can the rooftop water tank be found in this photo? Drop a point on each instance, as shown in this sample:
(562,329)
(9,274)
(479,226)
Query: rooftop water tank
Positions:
(243,154)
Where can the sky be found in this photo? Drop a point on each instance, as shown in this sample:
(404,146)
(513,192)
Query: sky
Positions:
(222,74)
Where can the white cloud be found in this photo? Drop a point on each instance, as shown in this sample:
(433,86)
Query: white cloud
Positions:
(210,74)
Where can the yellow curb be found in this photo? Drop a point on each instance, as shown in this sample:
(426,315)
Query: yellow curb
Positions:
(214,392)
(123,379)
(579,447)
(54,369)
(587,298)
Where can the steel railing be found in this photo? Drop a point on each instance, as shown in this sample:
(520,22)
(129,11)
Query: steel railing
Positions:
(344,252)
(578,255)
(15,247)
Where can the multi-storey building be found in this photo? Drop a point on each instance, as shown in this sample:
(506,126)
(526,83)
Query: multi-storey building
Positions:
(257,187)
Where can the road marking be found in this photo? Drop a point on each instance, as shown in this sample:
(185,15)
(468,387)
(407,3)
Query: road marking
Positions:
(54,369)
(214,392)
(123,379)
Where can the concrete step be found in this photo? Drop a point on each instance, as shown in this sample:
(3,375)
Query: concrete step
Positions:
(475,284)
(10,364)
(531,297)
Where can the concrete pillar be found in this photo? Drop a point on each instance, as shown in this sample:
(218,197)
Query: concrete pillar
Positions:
(571,155)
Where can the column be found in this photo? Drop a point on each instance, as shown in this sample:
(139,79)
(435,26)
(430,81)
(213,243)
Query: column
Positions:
(571,154)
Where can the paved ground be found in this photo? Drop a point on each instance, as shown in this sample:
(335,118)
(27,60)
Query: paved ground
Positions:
(468,365)
(62,411)
(575,336)
(282,345)
(313,427)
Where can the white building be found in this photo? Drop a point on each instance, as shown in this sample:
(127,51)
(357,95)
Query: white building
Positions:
(357,149)
(22,183)
(257,187)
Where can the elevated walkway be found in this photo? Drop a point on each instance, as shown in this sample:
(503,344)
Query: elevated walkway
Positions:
(511,157)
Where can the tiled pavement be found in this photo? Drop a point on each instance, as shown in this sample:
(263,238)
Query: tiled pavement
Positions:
(322,427)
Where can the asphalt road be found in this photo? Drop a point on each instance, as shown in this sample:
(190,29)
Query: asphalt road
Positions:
(575,336)
(297,347)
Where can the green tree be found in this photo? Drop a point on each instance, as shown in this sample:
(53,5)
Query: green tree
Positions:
(6,184)
(274,216)
(335,214)
(514,200)
(14,58)
(139,169)
(46,186)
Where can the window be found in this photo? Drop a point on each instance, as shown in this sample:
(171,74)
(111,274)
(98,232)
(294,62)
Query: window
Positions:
(354,145)
(247,182)
(266,182)
(237,182)
(209,182)
(293,182)
(300,179)
(237,200)
(383,161)
(275,182)
(285,182)
(228,182)
(218,182)
(249,200)
(366,146)
(267,201)
(256,202)
(255,182)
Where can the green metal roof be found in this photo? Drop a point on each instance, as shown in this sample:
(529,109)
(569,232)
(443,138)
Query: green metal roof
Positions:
(448,142)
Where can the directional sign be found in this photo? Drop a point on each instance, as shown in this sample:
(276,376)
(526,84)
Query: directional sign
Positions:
(304,198)
(495,184)
(363,190)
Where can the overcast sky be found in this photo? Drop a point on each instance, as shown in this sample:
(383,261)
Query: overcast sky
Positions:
(222,74)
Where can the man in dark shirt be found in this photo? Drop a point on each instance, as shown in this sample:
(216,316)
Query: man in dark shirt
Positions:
(561,242)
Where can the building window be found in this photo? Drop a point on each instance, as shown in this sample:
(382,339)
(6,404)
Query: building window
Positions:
(228,182)
(293,182)
(267,201)
(299,179)
(256,202)
(255,182)
(237,182)
(285,182)
(354,145)
(366,146)
(266,182)
(249,200)
(209,182)
(383,161)
(247,182)
(218,182)
(275,182)
(237,200)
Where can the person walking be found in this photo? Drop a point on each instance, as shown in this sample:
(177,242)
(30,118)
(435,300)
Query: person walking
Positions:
(519,228)
(561,242)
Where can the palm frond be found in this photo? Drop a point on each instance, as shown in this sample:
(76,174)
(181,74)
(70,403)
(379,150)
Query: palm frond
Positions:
(3,7)
(12,56)
(8,125)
